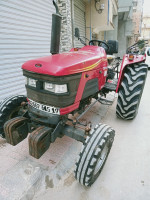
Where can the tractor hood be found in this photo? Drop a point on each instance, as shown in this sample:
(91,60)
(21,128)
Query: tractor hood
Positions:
(87,58)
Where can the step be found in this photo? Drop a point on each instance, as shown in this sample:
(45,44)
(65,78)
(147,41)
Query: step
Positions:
(111,85)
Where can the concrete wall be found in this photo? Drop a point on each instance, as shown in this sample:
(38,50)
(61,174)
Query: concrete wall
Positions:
(122,39)
(113,35)
(137,19)
(146,28)
(101,35)
(124,3)
(125,25)
(129,28)
(124,36)
(99,22)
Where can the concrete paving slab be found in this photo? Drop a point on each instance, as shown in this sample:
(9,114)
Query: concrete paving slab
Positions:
(126,173)
(21,176)
(18,170)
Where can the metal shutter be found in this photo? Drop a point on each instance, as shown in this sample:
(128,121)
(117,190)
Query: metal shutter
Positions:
(25,32)
(79,20)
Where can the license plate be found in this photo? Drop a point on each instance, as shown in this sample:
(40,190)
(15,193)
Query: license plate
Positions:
(44,108)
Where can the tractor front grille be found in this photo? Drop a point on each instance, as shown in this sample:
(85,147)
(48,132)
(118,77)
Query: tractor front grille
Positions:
(38,94)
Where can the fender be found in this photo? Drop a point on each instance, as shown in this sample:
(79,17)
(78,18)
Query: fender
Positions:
(125,63)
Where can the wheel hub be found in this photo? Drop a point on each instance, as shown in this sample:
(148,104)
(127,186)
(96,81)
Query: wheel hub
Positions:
(101,160)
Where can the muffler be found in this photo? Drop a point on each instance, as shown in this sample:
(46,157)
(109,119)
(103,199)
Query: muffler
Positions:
(55,31)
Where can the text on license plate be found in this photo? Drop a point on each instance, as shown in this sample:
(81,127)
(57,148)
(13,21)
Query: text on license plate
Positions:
(42,107)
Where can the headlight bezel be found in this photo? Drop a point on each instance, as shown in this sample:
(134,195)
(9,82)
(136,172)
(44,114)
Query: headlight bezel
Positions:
(29,81)
(55,87)
(40,86)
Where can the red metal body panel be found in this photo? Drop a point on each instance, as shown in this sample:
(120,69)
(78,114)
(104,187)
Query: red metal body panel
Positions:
(69,109)
(125,62)
(91,74)
(91,61)
(87,58)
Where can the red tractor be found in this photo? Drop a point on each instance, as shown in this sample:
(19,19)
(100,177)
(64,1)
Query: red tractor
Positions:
(60,88)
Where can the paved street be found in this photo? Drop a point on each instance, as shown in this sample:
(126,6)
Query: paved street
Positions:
(125,175)
(22,176)
(60,54)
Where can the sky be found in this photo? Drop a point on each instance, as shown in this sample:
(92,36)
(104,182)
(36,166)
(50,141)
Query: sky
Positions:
(146,7)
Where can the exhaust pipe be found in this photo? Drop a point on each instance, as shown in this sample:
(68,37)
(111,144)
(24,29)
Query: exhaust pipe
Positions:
(56,31)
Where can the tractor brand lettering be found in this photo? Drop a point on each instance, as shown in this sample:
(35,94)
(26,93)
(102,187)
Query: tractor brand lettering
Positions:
(45,108)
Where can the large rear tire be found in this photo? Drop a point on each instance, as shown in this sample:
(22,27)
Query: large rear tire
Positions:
(9,108)
(94,154)
(131,90)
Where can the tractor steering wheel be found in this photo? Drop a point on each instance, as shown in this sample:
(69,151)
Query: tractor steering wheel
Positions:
(100,44)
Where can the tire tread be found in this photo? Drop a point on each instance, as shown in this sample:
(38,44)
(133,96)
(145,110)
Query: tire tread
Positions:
(131,90)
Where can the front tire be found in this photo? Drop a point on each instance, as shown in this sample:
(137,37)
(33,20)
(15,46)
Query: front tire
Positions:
(94,154)
(131,90)
(9,108)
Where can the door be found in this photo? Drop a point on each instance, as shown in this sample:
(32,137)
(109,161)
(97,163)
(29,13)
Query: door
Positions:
(25,32)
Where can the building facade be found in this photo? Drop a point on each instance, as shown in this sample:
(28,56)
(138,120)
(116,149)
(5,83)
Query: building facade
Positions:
(137,18)
(101,18)
(25,33)
(129,23)
(125,25)
(146,28)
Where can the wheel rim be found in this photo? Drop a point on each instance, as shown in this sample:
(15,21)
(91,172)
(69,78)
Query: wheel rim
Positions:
(102,159)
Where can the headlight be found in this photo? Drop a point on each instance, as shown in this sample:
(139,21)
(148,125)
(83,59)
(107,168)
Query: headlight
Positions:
(31,82)
(49,87)
(58,89)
